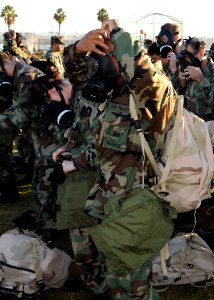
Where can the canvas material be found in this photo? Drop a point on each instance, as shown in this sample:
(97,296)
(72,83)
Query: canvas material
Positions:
(135,227)
(28,265)
(187,164)
(185,259)
(71,198)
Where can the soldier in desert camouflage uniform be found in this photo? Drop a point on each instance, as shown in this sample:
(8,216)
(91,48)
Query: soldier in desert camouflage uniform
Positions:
(114,149)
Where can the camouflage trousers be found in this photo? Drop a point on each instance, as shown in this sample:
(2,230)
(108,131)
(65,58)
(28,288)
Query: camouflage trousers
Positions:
(44,186)
(99,279)
(91,268)
(8,187)
(134,285)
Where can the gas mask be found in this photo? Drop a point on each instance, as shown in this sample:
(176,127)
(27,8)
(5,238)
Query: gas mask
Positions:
(186,59)
(58,113)
(102,77)
(50,110)
(165,37)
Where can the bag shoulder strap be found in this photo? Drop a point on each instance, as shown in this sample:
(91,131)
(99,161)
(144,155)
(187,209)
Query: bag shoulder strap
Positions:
(144,143)
(172,144)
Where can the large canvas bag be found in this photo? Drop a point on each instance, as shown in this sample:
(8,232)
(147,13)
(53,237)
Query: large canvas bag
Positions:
(27,265)
(185,259)
(136,226)
(71,198)
(186,167)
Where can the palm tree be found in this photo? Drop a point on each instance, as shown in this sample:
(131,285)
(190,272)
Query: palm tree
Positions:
(9,15)
(60,16)
(102,15)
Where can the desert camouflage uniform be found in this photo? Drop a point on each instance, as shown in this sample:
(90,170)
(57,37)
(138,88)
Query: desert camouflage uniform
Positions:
(114,149)
(54,59)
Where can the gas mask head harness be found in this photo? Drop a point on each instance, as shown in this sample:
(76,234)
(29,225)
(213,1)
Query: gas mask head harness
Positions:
(103,75)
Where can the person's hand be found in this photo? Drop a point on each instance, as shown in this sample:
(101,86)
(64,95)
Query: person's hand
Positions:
(12,34)
(90,41)
(182,77)
(109,25)
(68,166)
(194,73)
(172,61)
(57,153)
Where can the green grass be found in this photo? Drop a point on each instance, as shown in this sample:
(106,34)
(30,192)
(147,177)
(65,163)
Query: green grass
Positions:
(10,211)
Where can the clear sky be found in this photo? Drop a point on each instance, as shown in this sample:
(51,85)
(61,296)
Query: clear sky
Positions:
(81,15)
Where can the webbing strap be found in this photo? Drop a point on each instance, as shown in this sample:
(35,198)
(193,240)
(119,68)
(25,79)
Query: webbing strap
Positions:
(144,143)
(37,255)
(172,144)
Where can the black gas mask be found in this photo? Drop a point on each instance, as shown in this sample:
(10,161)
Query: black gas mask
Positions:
(186,59)
(165,50)
(165,37)
(55,111)
(102,77)
(58,113)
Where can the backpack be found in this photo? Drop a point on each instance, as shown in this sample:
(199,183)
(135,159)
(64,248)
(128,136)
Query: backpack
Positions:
(185,259)
(27,265)
(185,168)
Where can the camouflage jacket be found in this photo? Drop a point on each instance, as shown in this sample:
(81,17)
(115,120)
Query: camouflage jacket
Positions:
(199,96)
(22,113)
(54,59)
(85,110)
(174,77)
(11,46)
(112,144)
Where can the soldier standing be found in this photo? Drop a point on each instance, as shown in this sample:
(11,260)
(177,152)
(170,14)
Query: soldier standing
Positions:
(54,55)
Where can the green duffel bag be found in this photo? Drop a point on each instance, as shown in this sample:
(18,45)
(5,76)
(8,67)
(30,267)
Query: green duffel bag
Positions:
(137,225)
(71,198)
